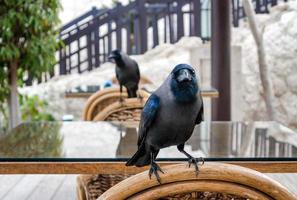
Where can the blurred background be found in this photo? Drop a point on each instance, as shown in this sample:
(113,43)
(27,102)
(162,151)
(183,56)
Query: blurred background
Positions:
(54,61)
(158,38)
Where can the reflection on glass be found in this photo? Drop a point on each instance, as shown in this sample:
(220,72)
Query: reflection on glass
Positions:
(128,141)
(119,140)
(32,140)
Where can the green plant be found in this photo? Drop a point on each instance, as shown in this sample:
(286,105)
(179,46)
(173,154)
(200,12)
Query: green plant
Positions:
(3,119)
(34,109)
(37,140)
(27,46)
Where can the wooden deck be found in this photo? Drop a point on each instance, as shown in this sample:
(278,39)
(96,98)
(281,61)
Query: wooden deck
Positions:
(52,187)
(30,187)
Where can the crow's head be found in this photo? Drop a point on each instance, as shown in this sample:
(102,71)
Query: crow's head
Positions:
(115,55)
(183,83)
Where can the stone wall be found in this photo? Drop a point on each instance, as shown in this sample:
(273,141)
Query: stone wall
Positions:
(280,41)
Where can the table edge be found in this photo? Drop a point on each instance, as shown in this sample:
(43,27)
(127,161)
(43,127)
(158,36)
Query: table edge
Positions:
(119,167)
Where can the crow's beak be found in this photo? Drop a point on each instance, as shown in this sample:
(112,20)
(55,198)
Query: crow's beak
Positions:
(111,56)
(184,76)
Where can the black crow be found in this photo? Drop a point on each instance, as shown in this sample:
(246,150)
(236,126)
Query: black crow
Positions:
(127,72)
(168,118)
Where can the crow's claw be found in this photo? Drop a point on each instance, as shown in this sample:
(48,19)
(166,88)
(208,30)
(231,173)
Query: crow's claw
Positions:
(140,97)
(202,160)
(154,169)
(195,162)
(121,100)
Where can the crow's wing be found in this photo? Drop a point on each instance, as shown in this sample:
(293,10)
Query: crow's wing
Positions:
(148,116)
(117,73)
(200,116)
(135,67)
(137,70)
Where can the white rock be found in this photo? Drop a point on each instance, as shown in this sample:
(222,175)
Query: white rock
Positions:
(287,17)
(189,42)
(279,86)
(292,82)
(280,41)
(289,103)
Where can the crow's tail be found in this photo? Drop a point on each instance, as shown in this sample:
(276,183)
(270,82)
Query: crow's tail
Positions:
(140,158)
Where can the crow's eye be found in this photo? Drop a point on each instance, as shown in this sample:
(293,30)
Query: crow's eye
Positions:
(175,75)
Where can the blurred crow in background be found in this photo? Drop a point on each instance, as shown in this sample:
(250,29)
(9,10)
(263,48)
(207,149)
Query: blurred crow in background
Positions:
(127,72)
(168,118)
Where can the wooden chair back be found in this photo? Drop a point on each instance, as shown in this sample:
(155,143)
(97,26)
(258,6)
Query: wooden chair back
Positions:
(104,98)
(181,182)
(128,110)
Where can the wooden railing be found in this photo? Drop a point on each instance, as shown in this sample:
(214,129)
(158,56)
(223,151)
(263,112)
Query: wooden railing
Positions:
(135,28)
(127,28)
(261,6)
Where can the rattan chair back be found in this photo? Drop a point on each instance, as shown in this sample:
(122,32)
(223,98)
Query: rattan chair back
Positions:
(104,98)
(181,182)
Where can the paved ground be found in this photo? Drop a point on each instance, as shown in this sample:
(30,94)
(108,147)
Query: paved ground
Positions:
(63,187)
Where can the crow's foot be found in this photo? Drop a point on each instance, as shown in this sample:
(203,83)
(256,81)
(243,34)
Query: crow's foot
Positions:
(140,97)
(201,160)
(154,169)
(121,100)
(195,162)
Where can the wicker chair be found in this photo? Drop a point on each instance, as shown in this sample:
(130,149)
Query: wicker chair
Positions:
(90,187)
(103,98)
(215,181)
(128,110)
(105,106)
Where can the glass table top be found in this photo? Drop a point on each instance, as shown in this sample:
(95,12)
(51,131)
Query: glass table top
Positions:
(95,141)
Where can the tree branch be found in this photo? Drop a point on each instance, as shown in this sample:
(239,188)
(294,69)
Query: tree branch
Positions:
(263,67)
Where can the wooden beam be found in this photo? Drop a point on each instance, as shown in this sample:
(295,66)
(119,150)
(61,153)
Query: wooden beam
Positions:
(220,59)
(211,93)
(119,167)
(143,25)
